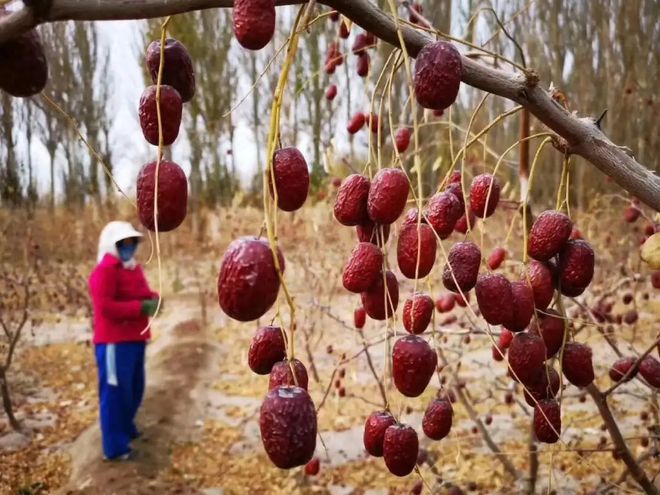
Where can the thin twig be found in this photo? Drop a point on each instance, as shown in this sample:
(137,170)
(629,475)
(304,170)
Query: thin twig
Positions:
(533,461)
(642,458)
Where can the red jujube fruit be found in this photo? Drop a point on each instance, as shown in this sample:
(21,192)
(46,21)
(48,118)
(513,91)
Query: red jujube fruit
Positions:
(495,298)
(351,202)
(547,421)
(23,64)
(462,267)
(248,282)
(443,211)
(374,431)
(291,178)
(413,365)
(484,195)
(526,358)
(437,78)
(281,375)
(575,268)
(417,313)
(376,303)
(437,419)
(388,195)
(577,364)
(177,70)
(288,426)
(171,108)
(266,348)
(172,195)
(540,277)
(548,235)
(416,244)
(363,267)
(400,449)
(254,22)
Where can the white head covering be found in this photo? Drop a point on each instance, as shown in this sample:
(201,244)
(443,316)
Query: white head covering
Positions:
(111,235)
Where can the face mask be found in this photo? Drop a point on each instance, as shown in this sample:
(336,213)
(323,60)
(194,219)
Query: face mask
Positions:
(126,251)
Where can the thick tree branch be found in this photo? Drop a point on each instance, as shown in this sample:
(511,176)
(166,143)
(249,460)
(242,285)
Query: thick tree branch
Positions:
(580,136)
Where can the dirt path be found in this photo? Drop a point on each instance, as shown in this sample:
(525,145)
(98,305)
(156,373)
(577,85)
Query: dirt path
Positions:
(180,366)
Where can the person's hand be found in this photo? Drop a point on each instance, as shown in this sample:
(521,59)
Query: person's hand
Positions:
(149,307)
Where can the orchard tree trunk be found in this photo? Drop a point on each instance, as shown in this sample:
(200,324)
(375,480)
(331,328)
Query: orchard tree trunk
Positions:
(51,164)
(317,114)
(31,193)
(254,72)
(195,183)
(6,400)
(10,186)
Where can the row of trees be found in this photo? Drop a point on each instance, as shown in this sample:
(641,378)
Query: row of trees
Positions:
(602,51)
(80,82)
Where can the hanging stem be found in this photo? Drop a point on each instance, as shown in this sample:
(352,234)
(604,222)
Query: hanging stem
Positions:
(270,207)
(526,196)
(564,183)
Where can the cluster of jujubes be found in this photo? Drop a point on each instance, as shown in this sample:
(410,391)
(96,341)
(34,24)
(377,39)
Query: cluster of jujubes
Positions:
(162,187)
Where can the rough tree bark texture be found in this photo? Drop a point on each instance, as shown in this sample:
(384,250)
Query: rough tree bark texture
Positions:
(576,135)
(6,400)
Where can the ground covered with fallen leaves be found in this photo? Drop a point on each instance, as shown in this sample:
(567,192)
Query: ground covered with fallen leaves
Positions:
(217,450)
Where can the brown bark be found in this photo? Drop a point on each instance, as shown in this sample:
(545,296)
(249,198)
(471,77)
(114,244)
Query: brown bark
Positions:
(622,449)
(6,400)
(523,165)
(533,461)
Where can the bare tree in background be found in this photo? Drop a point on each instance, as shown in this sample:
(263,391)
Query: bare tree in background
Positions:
(10,182)
(604,53)
(311,84)
(76,59)
(32,193)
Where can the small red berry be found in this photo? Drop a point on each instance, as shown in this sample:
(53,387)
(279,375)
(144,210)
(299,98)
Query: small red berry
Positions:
(356,123)
(484,195)
(374,431)
(402,139)
(331,92)
(312,467)
(496,258)
(649,368)
(547,421)
(359,317)
(577,364)
(621,367)
(445,303)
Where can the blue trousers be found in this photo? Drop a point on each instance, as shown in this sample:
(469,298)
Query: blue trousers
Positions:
(121,388)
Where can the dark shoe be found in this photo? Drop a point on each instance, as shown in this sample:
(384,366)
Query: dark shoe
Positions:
(128,456)
(133,432)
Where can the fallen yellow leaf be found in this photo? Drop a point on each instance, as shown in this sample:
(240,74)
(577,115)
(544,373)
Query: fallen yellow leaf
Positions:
(650,251)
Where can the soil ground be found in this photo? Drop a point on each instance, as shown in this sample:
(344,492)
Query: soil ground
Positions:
(200,415)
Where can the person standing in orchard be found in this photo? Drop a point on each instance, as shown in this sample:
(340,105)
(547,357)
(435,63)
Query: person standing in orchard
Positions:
(122,304)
